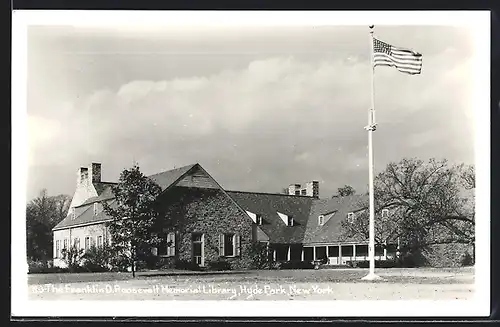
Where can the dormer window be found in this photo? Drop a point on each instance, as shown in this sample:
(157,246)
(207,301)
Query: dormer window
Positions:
(385,213)
(350,217)
(290,221)
(96,208)
(258,220)
(321,220)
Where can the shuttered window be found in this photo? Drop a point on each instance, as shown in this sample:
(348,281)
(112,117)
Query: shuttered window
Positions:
(229,245)
(170,244)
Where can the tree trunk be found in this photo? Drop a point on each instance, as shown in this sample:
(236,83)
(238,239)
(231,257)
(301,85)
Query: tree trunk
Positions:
(133,262)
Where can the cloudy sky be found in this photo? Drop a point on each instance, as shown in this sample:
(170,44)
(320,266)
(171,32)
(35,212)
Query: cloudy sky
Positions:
(258,107)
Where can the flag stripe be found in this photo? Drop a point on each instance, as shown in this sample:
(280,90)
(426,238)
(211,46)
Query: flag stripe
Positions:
(404,60)
(385,57)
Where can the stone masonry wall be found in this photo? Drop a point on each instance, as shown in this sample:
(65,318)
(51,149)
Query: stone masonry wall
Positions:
(211,212)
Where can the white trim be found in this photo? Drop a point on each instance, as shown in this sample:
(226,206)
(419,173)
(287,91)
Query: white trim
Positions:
(283,217)
(84,224)
(252,215)
(321,220)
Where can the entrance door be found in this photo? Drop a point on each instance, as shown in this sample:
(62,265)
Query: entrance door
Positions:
(198,249)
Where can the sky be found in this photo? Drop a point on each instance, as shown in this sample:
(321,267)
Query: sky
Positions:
(258,107)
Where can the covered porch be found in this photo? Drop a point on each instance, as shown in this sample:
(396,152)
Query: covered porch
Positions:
(333,254)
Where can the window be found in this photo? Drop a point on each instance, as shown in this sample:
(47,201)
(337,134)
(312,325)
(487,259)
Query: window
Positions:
(350,217)
(258,220)
(87,243)
(77,243)
(229,245)
(321,220)
(297,192)
(65,246)
(58,248)
(385,213)
(303,192)
(171,244)
(197,239)
(96,208)
(290,221)
(99,241)
(73,213)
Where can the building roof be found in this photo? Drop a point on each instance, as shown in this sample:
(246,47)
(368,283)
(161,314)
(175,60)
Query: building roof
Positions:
(164,180)
(339,207)
(305,210)
(268,205)
(85,216)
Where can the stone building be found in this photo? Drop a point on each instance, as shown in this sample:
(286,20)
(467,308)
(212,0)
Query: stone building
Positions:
(212,222)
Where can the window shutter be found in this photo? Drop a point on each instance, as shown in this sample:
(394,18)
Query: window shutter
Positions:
(173,243)
(221,245)
(237,245)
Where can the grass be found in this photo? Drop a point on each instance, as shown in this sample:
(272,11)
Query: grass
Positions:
(392,275)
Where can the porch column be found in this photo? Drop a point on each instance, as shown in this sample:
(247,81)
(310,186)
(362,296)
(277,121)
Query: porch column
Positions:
(385,250)
(274,254)
(302,255)
(314,252)
(327,254)
(354,251)
(288,253)
(340,254)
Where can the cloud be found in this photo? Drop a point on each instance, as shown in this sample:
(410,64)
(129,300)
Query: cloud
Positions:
(273,122)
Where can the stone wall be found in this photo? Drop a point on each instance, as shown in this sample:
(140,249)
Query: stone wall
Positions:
(211,212)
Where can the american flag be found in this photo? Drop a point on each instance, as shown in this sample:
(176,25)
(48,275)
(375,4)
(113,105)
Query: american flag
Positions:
(405,60)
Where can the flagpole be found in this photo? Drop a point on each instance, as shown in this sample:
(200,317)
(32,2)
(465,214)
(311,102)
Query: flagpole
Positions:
(371,128)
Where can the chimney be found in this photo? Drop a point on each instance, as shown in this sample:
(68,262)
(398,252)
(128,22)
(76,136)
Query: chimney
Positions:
(95,172)
(294,189)
(83,175)
(312,189)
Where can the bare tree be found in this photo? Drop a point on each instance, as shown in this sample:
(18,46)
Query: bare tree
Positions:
(425,206)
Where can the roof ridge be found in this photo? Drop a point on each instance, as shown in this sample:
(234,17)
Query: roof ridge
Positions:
(174,169)
(280,194)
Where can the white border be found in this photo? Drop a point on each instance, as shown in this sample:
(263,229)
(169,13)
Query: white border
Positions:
(134,20)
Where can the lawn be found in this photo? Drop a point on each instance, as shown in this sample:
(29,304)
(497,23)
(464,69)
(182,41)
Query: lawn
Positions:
(345,284)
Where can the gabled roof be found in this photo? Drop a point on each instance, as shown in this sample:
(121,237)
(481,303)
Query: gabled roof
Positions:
(330,231)
(268,205)
(164,180)
(86,215)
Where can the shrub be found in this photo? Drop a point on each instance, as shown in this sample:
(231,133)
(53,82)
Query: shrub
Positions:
(97,259)
(186,265)
(276,265)
(120,263)
(220,264)
(297,264)
(466,260)
(43,267)
(259,253)
(72,257)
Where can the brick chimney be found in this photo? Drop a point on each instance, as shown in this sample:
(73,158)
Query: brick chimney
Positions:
(82,175)
(312,189)
(294,189)
(95,172)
